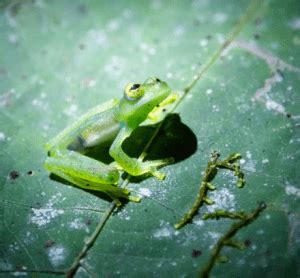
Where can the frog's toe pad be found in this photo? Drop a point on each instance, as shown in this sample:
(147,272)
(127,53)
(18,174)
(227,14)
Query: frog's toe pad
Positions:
(158,174)
(153,165)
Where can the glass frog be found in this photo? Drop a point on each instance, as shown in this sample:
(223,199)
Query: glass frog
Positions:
(114,120)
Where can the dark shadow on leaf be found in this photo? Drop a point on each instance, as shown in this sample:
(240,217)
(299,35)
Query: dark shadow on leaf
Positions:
(174,139)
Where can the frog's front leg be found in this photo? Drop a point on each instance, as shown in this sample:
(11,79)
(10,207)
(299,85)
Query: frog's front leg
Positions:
(87,173)
(131,165)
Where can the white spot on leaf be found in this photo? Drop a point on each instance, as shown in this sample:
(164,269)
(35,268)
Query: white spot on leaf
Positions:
(203,42)
(57,255)
(248,154)
(77,224)
(169,75)
(145,192)
(295,23)
(292,190)
(99,37)
(43,216)
(19,273)
(115,66)
(273,105)
(113,25)
(220,18)
(163,232)
(12,38)
(2,137)
(166,231)
(209,91)
(223,200)
(71,111)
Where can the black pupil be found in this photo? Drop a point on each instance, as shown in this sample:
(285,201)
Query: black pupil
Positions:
(134,87)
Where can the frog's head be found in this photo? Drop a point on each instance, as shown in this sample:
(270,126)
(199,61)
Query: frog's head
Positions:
(140,99)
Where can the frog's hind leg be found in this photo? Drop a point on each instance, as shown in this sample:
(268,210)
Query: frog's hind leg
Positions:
(110,190)
(83,167)
(88,173)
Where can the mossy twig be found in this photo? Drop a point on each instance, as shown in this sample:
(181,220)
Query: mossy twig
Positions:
(206,184)
(226,239)
(223,214)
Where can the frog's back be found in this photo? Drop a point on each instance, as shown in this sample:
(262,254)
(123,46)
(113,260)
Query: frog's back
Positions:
(96,126)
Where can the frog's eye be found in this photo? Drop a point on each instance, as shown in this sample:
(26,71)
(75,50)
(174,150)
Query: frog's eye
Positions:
(133,91)
(134,87)
(152,80)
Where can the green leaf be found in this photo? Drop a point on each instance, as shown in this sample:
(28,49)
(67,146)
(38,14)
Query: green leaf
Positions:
(60,58)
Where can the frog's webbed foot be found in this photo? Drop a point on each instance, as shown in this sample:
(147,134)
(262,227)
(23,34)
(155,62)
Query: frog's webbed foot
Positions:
(152,166)
(125,193)
(138,167)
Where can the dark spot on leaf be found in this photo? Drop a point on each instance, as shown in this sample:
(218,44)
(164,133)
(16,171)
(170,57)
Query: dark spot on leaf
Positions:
(19,268)
(262,205)
(289,115)
(3,72)
(14,175)
(196,253)
(268,253)
(257,21)
(82,8)
(49,243)
(164,110)
(88,222)
(247,242)
(30,173)
(15,9)
(256,36)
(196,22)
(208,37)
(156,40)
(81,46)
(280,73)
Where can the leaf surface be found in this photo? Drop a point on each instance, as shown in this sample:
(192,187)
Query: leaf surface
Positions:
(60,58)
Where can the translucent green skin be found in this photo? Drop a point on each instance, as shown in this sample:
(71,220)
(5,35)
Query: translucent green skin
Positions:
(114,120)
